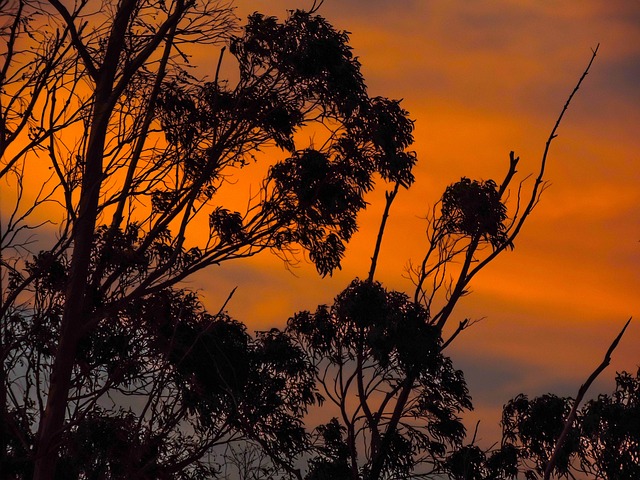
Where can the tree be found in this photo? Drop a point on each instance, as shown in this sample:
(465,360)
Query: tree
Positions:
(110,368)
(380,362)
(138,148)
(553,436)
(609,431)
(380,359)
(603,443)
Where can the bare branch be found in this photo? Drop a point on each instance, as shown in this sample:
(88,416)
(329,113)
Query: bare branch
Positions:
(568,424)
(390,196)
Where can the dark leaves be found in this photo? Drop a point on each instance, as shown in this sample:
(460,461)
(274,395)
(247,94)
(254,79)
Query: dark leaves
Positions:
(293,73)
(467,463)
(391,338)
(390,131)
(209,354)
(535,425)
(474,208)
(316,201)
(391,329)
(610,431)
(262,386)
(227,225)
(604,442)
(50,271)
(309,53)
(333,459)
(503,463)
(106,445)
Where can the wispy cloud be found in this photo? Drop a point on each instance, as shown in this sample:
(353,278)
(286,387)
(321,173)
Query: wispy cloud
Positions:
(482,78)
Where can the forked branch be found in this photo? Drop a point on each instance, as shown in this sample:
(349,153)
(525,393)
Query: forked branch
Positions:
(472,265)
(539,182)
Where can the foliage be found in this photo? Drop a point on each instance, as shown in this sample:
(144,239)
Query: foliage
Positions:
(536,425)
(610,431)
(186,380)
(603,443)
(378,347)
(332,460)
(292,73)
(96,332)
(110,368)
(474,208)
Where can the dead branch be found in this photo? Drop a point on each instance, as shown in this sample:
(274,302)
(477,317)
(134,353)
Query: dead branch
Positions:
(568,424)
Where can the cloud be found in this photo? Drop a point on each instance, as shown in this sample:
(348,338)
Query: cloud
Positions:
(482,78)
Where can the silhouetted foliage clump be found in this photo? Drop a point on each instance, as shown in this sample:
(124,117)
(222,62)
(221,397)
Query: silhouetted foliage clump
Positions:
(380,338)
(603,443)
(291,73)
(535,425)
(610,431)
(474,208)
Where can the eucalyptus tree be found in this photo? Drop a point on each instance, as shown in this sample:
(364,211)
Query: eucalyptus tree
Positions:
(136,148)
(380,357)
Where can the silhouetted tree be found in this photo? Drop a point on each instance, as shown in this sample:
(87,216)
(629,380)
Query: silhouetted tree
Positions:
(603,444)
(533,427)
(379,361)
(379,355)
(137,148)
(110,369)
(609,429)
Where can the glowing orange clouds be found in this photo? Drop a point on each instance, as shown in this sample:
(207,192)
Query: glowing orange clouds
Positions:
(481,79)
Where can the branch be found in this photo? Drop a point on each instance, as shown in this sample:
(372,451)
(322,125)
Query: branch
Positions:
(378,460)
(463,324)
(10,44)
(140,59)
(568,424)
(539,182)
(390,195)
(75,37)
(513,164)
(144,130)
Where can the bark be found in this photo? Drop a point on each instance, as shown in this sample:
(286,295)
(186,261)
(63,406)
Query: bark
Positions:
(77,305)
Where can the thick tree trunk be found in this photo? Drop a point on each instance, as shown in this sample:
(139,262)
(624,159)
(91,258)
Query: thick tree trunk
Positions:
(77,303)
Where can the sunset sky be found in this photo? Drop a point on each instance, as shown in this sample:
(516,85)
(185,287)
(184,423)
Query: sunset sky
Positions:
(482,78)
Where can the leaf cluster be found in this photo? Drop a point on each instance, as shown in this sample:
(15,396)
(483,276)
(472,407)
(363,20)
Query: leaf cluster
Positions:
(474,208)
(295,73)
(603,443)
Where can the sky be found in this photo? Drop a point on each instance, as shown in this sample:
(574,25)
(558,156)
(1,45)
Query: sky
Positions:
(482,78)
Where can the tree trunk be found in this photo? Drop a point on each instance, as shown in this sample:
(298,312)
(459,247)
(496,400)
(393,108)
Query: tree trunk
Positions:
(77,302)
(76,305)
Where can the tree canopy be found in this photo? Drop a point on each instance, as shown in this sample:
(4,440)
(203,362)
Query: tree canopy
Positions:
(111,367)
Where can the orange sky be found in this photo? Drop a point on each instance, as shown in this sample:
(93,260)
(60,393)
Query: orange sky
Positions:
(482,78)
